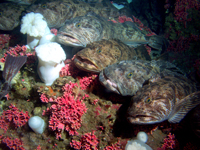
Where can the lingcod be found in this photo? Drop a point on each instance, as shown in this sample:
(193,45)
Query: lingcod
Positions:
(100,54)
(195,120)
(23,2)
(10,15)
(57,12)
(128,76)
(167,98)
(82,30)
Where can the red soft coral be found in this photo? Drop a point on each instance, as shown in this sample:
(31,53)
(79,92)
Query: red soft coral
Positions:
(66,111)
(13,116)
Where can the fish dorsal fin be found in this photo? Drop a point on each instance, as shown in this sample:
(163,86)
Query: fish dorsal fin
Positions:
(91,13)
(132,25)
(94,15)
(184,106)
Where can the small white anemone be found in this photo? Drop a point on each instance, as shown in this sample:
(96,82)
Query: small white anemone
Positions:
(37,124)
(142,136)
(139,143)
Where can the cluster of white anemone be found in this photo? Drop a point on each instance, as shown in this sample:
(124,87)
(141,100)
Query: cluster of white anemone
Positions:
(50,54)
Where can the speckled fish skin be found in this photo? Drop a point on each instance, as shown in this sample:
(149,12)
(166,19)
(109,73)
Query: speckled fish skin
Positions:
(195,120)
(169,98)
(91,1)
(83,30)
(57,12)
(10,15)
(23,2)
(127,77)
(98,55)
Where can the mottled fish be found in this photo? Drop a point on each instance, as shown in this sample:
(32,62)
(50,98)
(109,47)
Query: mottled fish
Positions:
(57,12)
(23,2)
(11,67)
(195,120)
(10,15)
(127,77)
(98,55)
(169,98)
(83,30)
(91,1)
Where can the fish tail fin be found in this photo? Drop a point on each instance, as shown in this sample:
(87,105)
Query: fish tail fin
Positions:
(184,106)
(157,42)
(12,66)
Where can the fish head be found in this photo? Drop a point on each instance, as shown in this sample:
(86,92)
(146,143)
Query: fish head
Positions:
(54,12)
(98,55)
(9,16)
(125,77)
(149,106)
(80,31)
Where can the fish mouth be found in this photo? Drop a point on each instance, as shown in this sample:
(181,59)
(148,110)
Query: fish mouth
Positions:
(108,83)
(68,39)
(86,64)
(142,119)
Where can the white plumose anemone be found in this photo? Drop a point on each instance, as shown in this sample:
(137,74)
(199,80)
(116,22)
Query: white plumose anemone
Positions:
(51,58)
(34,25)
(142,136)
(139,143)
(37,124)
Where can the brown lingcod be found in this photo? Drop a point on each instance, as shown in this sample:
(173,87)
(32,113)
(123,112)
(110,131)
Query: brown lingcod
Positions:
(23,2)
(168,98)
(127,77)
(10,15)
(57,12)
(195,120)
(98,55)
(83,30)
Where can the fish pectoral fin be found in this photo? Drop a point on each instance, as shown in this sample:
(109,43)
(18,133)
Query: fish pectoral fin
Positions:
(12,66)
(157,42)
(184,106)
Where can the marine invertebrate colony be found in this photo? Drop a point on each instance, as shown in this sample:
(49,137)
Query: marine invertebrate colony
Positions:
(37,124)
(69,108)
(34,25)
(13,116)
(51,58)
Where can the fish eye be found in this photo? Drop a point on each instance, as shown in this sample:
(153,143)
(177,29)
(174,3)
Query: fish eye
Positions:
(148,100)
(129,75)
(78,25)
(98,50)
(44,5)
